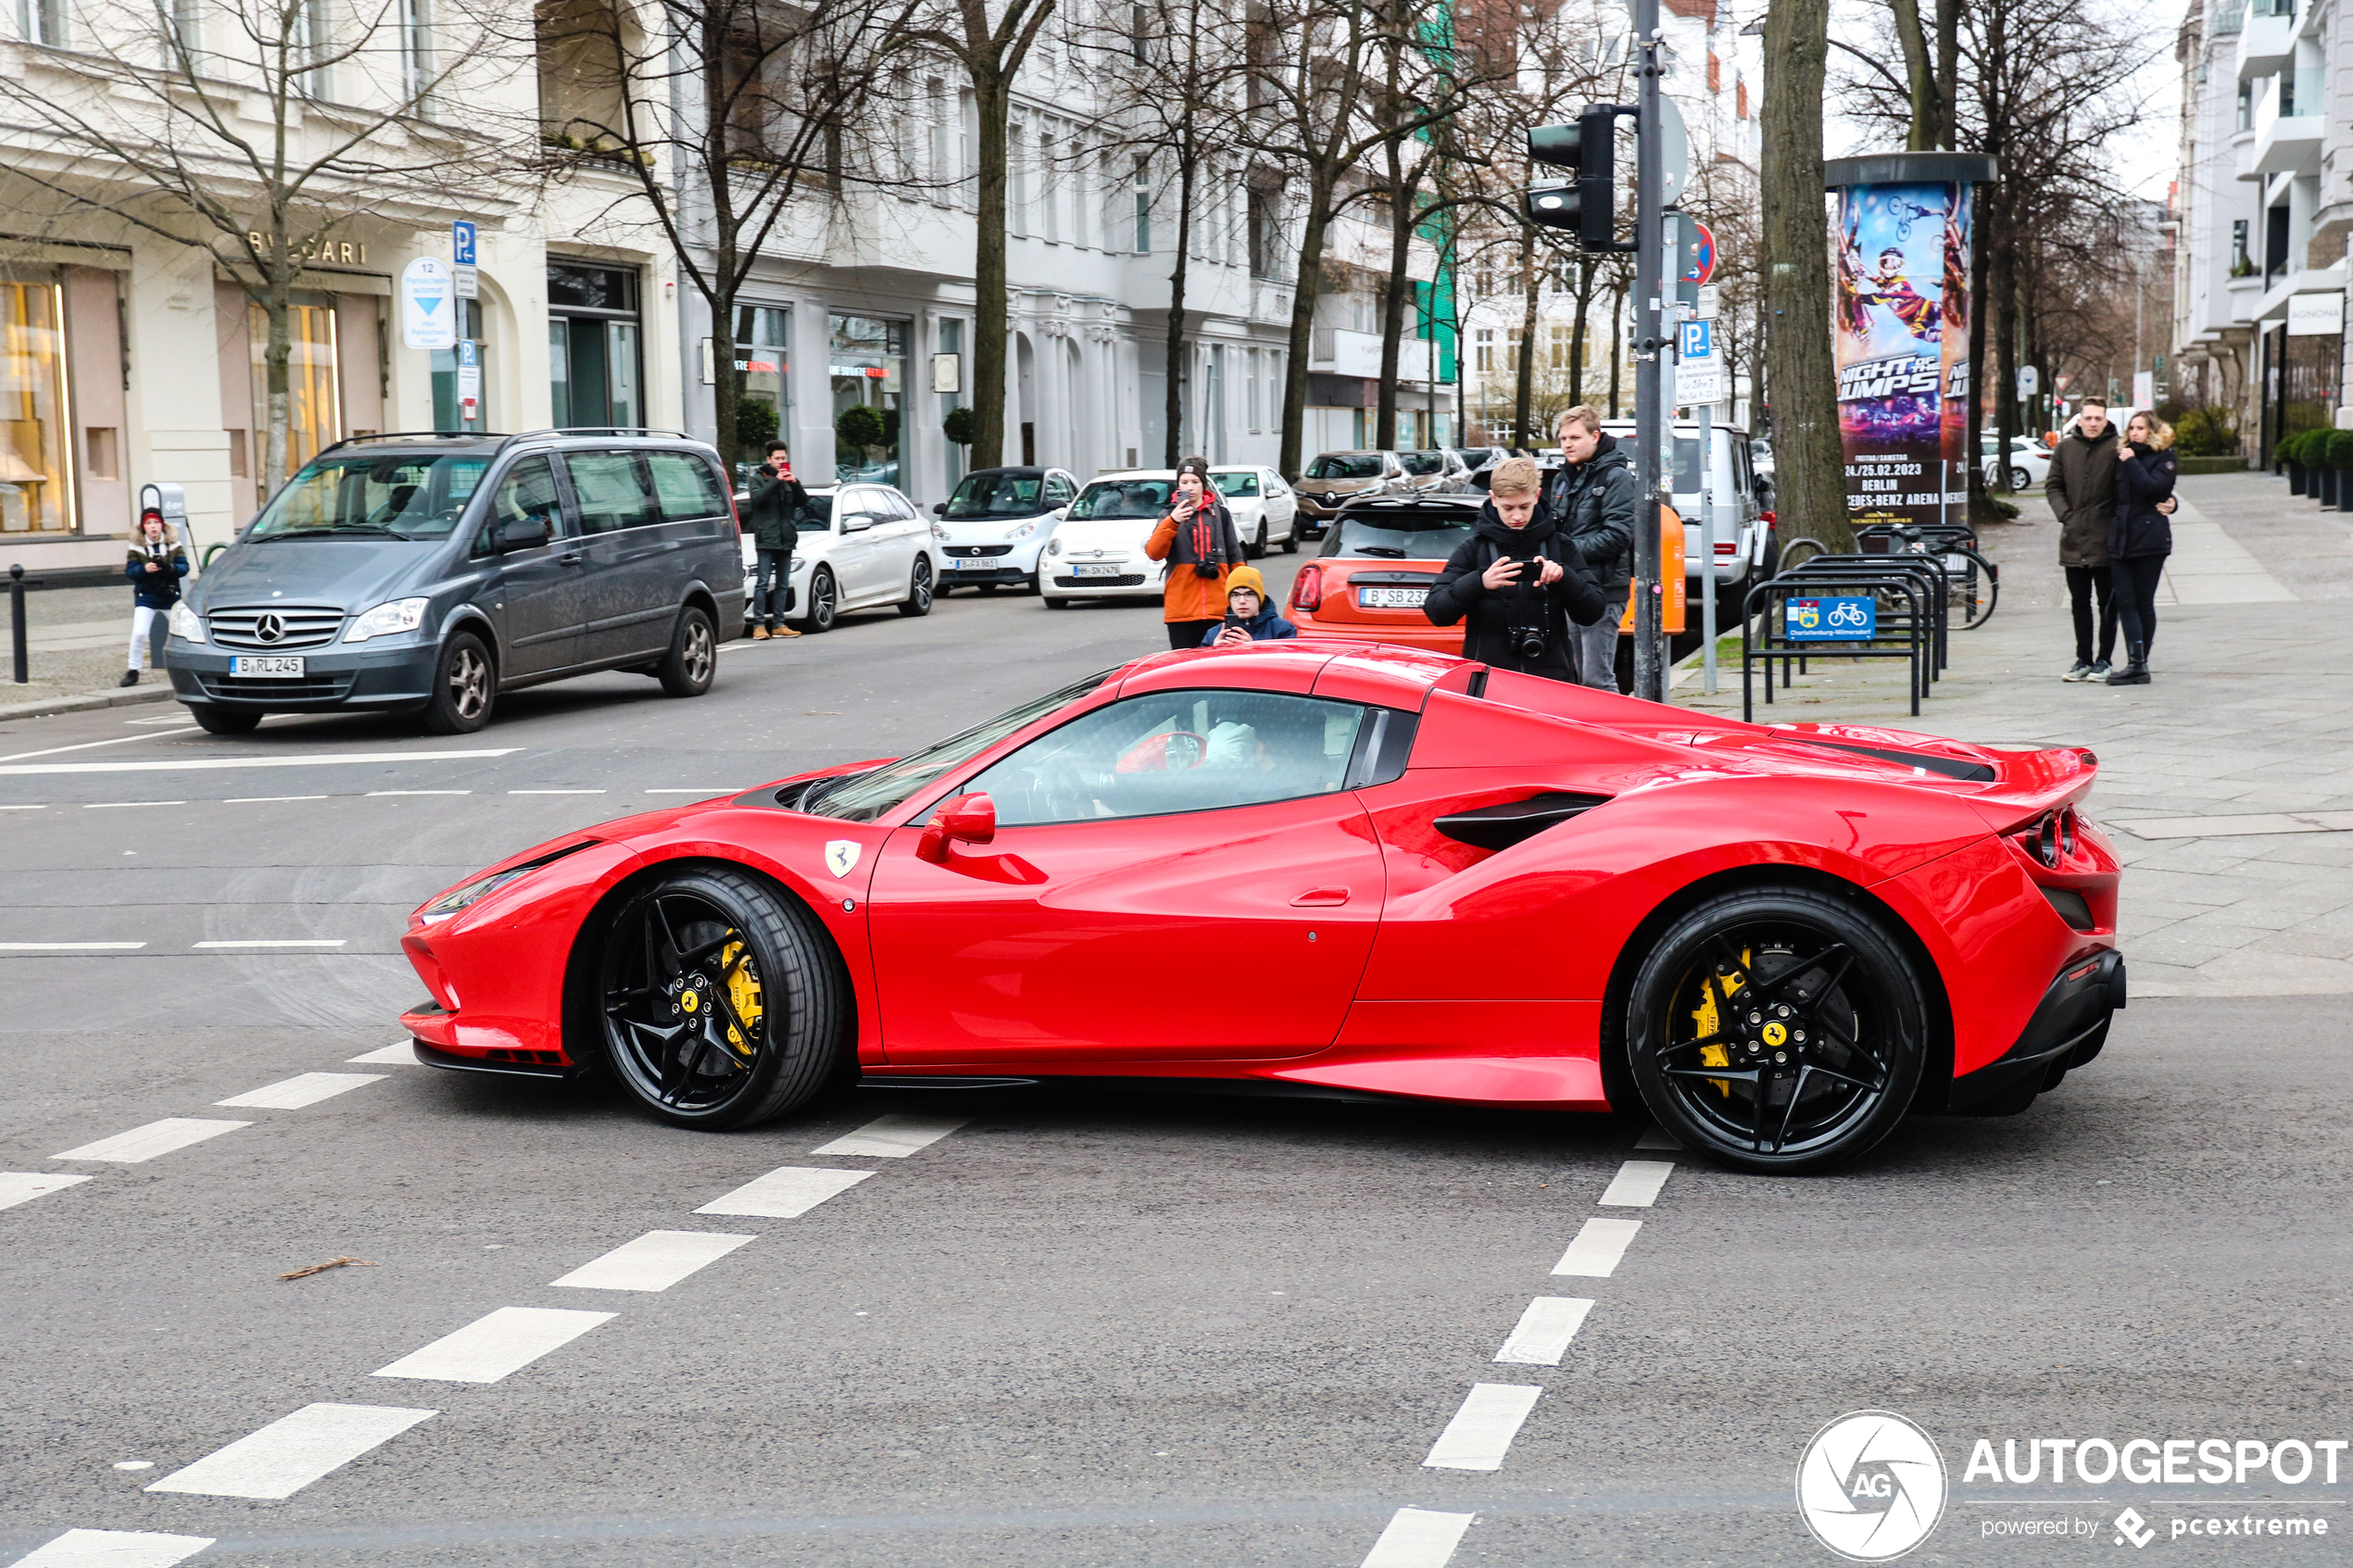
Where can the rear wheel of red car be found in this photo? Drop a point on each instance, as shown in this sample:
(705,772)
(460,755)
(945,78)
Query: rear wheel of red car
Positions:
(1777,1030)
(723,1005)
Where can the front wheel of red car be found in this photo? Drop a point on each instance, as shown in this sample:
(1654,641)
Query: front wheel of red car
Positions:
(1777,1030)
(722,1003)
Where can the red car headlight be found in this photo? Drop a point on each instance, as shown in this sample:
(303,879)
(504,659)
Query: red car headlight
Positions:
(458,899)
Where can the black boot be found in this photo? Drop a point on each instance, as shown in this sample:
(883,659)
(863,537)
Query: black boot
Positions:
(2135,674)
(129,678)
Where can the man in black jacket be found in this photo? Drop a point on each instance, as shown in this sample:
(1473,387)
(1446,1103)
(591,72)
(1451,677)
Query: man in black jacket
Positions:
(1518,581)
(1593,497)
(772,516)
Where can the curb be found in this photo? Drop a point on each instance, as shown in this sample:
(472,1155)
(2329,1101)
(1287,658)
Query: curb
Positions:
(86,701)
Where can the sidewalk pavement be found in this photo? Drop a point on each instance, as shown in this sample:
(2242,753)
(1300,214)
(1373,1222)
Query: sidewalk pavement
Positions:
(2226,784)
(78,640)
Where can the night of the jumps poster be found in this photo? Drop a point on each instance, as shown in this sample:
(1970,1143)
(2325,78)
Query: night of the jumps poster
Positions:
(1902,342)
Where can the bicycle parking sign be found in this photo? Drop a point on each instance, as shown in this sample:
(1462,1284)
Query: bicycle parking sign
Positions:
(1830,621)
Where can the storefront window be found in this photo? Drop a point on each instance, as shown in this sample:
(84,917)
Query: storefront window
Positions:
(594,366)
(461,391)
(314,397)
(867,358)
(763,333)
(36,490)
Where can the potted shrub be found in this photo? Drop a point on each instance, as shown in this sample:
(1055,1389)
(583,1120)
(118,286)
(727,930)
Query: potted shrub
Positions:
(2320,477)
(2286,453)
(2340,451)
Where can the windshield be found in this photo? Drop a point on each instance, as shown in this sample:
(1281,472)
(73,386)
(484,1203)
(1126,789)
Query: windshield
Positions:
(997,495)
(1419,463)
(817,516)
(1405,536)
(1235,483)
(1472,456)
(862,798)
(1345,465)
(411,495)
(1123,498)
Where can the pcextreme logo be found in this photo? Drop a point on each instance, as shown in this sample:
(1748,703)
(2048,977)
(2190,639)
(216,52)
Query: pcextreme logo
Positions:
(1871,1486)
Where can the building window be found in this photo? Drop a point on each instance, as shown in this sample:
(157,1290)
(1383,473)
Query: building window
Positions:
(314,391)
(1483,349)
(2246,107)
(1714,72)
(1559,335)
(1249,367)
(1739,100)
(416,55)
(314,42)
(1143,198)
(43,21)
(1259,217)
(2242,263)
(36,487)
(185,45)
(866,359)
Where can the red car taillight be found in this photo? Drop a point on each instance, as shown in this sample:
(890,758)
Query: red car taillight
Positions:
(1307,590)
(1769,518)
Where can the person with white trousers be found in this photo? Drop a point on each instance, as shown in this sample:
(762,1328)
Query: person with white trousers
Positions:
(156,564)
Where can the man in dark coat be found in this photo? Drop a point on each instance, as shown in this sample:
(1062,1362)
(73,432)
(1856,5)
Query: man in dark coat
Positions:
(1593,494)
(2081,489)
(773,517)
(1518,581)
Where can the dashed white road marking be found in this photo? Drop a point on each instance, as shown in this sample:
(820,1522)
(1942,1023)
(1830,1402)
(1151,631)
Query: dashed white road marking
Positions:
(1544,1331)
(156,1137)
(274,942)
(268,799)
(42,808)
(383,794)
(655,1260)
(893,1137)
(555,792)
(1482,1430)
(119,804)
(1657,1137)
(293,1451)
(207,764)
(115,1549)
(1418,1537)
(307,1088)
(705,793)
(1637,1184)
(23,1186)
(401,1051)
(496,1343)
(70,947)
(785,1193)
(1598,1246)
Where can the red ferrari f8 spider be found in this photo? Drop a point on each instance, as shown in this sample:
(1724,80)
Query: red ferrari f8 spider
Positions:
(1447,883)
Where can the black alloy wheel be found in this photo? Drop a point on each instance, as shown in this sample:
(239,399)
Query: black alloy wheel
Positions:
(692,662)
(722,1003)
(224,721)
(1777,1030)
(465,687)
(823,604)
(918,600)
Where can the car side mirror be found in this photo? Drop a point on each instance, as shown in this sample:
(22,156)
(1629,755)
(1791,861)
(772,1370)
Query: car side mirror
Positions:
(966,819)
(1061,513)
(939,508)
(856,522)
(523,534)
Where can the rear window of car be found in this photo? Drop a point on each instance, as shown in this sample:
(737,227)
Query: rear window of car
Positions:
(1345,465)
(997,495)
(1405,536)
(1419,463)
(687,488)
(1235,483)
(1123,497)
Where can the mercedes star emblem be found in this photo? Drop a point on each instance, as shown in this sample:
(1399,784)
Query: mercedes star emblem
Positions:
(270,627)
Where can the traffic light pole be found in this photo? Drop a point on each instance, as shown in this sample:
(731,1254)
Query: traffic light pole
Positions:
(1650,341)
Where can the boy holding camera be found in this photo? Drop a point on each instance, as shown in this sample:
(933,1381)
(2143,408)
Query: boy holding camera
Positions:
(1518,581)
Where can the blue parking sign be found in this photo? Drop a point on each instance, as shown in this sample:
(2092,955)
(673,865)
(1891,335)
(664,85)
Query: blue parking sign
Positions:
(1829,620)
(462,242)
(1698,339)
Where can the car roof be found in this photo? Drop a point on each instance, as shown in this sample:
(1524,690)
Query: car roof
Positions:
(1123,475)
(1015,470)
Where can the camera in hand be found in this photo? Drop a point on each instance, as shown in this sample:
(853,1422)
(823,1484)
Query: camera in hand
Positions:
(1527,642)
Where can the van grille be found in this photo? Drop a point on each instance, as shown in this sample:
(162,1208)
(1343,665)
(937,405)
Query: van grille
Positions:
(274,628)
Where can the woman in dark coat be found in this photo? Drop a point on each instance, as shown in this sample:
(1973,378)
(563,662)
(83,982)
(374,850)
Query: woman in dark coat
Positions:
(2139,538)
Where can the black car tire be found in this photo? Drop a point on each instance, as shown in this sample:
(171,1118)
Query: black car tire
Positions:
(1290,539)
(823,604)
(692,663)
(673,1016)
(918,600)
(224,721)
(1053,601)
(465,686)
(1819,1062)
(1256,548)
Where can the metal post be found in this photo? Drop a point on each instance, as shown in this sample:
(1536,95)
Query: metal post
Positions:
(16,622)
(1649,275)
(1707,545)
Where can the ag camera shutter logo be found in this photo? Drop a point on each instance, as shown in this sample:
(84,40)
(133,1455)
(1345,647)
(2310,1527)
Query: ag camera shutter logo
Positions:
(1871,1486)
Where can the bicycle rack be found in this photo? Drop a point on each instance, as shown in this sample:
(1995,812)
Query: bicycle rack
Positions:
(1764,637)
(1935,578)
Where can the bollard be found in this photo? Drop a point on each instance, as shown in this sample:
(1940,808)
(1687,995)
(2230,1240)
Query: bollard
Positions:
(16,622)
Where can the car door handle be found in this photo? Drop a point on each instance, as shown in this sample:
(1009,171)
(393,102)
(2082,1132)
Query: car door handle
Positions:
(570,557)
(1320,898)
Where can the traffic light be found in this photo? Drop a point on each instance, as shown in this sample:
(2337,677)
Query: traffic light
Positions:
(1587,206)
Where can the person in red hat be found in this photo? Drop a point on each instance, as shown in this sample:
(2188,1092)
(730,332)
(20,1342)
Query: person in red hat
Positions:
(156,564)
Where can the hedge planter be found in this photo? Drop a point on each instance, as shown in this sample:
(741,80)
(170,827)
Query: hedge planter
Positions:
(2294,478)
(2326,486)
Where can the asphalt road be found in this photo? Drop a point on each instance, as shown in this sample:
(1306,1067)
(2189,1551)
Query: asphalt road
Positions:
(1073,1329)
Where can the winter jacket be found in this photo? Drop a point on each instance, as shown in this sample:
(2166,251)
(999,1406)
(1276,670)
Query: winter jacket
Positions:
(2081,489)
(156,590)
(1207,540)
(773,510)
(2144,476)
(1459,594)
(1596,499)
(1266,626)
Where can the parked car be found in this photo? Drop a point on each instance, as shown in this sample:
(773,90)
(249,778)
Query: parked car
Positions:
(861,547)
(433,573)
(1476,459)
(1098,549)
(2030,460)
(992,530)
(1746,548)
(1436,472)
(1266,510)
(1333,477)
(1375,570)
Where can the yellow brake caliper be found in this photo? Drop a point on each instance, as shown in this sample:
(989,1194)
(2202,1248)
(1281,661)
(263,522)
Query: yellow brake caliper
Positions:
(743,993)
(1705,1016)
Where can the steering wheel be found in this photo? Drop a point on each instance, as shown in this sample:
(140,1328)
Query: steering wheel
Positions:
(1170,752)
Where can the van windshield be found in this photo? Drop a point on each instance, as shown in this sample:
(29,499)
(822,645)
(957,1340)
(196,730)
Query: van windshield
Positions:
(402,495)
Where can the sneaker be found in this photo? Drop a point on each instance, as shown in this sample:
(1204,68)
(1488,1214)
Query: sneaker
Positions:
(761,634)
(2082,672)
(2100,669)
(784,632)
(129,678)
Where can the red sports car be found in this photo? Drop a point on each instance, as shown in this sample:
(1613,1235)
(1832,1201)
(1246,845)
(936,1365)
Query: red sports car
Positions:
(1460,883)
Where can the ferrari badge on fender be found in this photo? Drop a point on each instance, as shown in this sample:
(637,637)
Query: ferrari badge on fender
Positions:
(841,856)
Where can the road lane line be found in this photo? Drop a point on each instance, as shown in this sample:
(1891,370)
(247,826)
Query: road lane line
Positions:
(23,1186)
(1636,1183)
(119,804)
(1482,1430)
(555,792)
(307,1088)
(380,794)
(155,1138)
(84,745)
(206,764)
(115,1549)
(400,1051)
(1544,1331)
(655,1260)
(496,1343)
(24,807)
(1418,1537)
(893,1137)
(293,1451)
(786,1192)
(268,799)
(707,794)
(1599,1247)
(70,947)
(1657,1137)
(277,942)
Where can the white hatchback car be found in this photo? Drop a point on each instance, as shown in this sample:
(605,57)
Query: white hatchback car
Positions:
(1098,549)
(1266,512)
(993,529)
(861,546)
